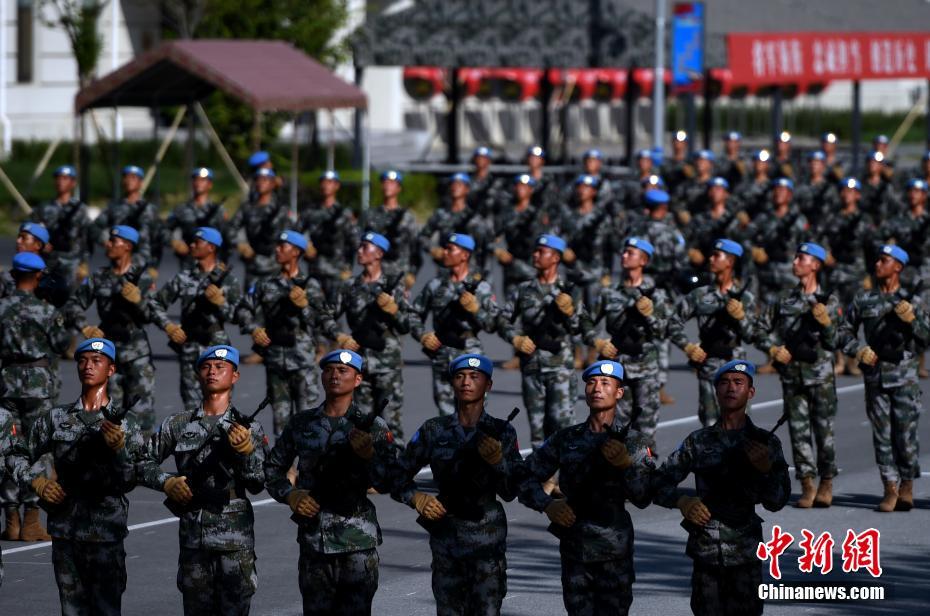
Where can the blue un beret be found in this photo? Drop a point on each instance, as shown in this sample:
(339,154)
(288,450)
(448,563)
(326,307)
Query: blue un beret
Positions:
(265,172)
(209,234)
(330,175)
(133,170)
(393,175)
(96,345)
(259,158)
(721,182)
(729,247)
(918,184)
(593,153)
(378,240)
(587,180)
(67,170)
(462,241)
(604,367)
(464,178)
(472,361)
(35,229)
(705,154)
(342,356)
(643,244)
(552,241)
(734,135)
(656,197)
(876,156)
(482,150)
(851,183)
(896,252)
(736,365)
(525,178)
(125,232)
(817,155)
(28,262)
(293,237)
(785,182)
(536,150)
(828,138)
(762,156)
(202,172)
(814,250)
(220,351)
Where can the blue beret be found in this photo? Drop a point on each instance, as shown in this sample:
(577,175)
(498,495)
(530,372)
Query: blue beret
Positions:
(552,241)
(896,252)
(918,184)
(482,150)
(464,178)
(535,150)
(653,180)
(926,155)
(828,138)
(593,153)
(462,241)
(202,172)
(704,154)
(876,156)
(259,158)
(784,136)
(293,237)
(587,180)
(643,244)
(734,135)
(882,139)
(604,367)
(210,234)
(851,183)
(729,247)
(96,345)
(644,154)
(525,178)
(762,156)
(125,232)
(785,182)
(472,361)
(656,197)
(817,155)
(220,351)
(721,182)
(133,170)
(342,356)
(65,170)
(35,229)
(265,172)
(377,239)
(814,250)
(393,175)
(736,365)
(28,262)
(681,135)
(329,174)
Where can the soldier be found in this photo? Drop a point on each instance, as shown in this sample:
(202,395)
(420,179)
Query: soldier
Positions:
(12,451)
(281,313)
(339,453)
(879,198)
(94,448)
(583,227)
(377,313)
(723,218)
(601,464)
(592,162)
(216,449)
(784,163)
(209,295)
(817,196)
(200,211)
(677,169)
(896,329)
(753,193)
(460,218)
(69,228)
(462,305)
(398,225)
(519,224)
(691,195)
(331,229)
(880,144)
(636,316)
(474,457)
(721,310)
(799,335)
(736,466)
(545,190)
(121,293)
(32,238)
(629,197)
(484,195)
(133,210)
(835,168)
(539,320)
(732,167)
(255,227)
(32,334)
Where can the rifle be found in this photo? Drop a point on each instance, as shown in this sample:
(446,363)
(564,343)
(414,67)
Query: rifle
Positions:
(452,314)
(721,334)
(60,239)
(632,329)
(196,320)
(369,330)
(891,334)
(213,466)
(548,335)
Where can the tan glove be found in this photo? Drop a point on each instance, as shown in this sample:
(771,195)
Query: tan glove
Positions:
(645,306)
(113,435)
(606,281)
(310,252)
(605,348)
(831,260)
(48,490)
(905,311)
(568,256)
(523,344)
(298,297)
(469,302)
(240,439)
(735,309)
(684,217)
(867,283)
(362,444)
(346,341)
(780,354)
(695,353)
(245,251)
(696,256)
(214,295)
(758,455)
(180,247)
(91,331)
(260,337)
(694,510)
(759,255)
(177,489)
(430,341)
(866,356)
(175,333)
(437,253)
(490,450)
(302,503)
(428,506)
(345,274)
(131,293)
(503,256)
(819,311)
(409,280)
(387,304)
(560,513)
(83,271)
(565,304)
(152,272)
(616,454)
(742,218)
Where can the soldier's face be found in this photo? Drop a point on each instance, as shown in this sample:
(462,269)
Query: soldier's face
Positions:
(27,242)
(602,393)
(850,195)
(390,188)
(644,164)
(760,166)
(131,183)
(481,162)
(264,184)
(454,255)
(94,369)
(679,147)
(734,391)
(340,379)
(657,212)
(804,265)
(633,258)
(887,266)
(201,248)
(522,191)
(458,190)
(217,375)
(781,195)
(470,385)
(721,261)
(117,248)
(285,252)
(535,162)
(329,188)
(828,148)
(817,167)
(784,149)
(592,166)
(64,184)
(916,197)
(718,194)
(544,257)
(201,186)
(585,192)
(703,166)
(732,147)
(368,253)
(875,167)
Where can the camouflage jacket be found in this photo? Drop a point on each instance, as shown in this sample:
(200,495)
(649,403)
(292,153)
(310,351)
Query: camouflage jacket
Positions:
(452,323)
(705,229)
(520,229)
(670,249)
(676,172)
(720,334)
(733,170)
(444,222)
(778,235)
(188,216)
(691,196)
(69,230)
(333,233)
(440,443)
(753,195)
(531,311)
(94,478)
(14,455)
(375,330)
(896,343)
(261,225)
(32,334)
(595,490)
(817,201)
(729,486)
(400,228)
(910,233)
(847,236)
(141,216)
(790,323)
(880,200)
(587,235)
(307,437)
(180,436)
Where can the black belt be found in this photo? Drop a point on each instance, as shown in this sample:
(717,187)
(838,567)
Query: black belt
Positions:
(34,363)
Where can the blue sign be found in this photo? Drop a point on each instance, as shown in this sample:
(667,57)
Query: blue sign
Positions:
(687,43)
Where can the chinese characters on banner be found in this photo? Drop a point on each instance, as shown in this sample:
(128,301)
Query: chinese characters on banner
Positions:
(812,57)
(859,551)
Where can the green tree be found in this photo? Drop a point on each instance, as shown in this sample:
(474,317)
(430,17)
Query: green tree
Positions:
(78,19)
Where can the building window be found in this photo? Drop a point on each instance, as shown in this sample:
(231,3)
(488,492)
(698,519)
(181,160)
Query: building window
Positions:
(24,41)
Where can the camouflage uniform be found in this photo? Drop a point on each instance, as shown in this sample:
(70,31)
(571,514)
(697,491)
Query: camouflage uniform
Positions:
(141,216)
(378,333)
(69,230)
(333,233)
(727,571)
(721,336)
(587,234)
(187,217)
(817,201)
(691,196)
(913,235)
(733,170)
(848,237)
(290,360)
(753,195)
(597,550)
(519,230)
(13,454)
(637,339)
(445,222)
(676,172)
(705,229)
(261,226)
(399,226)
(808,382)
(216,567)
(779,236)
(201,320)
(124,324)
(455,327)
(547,376)
(89,527)
(892,394)
(880,200)
(468,547)
(338,566)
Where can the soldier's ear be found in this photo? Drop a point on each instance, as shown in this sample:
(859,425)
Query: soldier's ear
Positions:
(235,376)
(752,392)
(111,370)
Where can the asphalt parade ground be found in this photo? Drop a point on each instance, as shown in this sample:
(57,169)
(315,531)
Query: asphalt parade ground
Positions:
(534,583)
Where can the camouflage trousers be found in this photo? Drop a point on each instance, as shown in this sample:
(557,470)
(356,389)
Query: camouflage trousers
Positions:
(592,589)
(643,393)
(664,348)
(215,583)
(378,387)
(549,398)
(133,380)
(91,576)
(443,395)
(811,410)
(343,584)
(290,391)
(726,591)
(894,412)
(25,412)
(469,586)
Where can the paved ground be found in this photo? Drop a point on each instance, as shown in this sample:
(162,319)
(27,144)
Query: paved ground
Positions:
(662,569)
